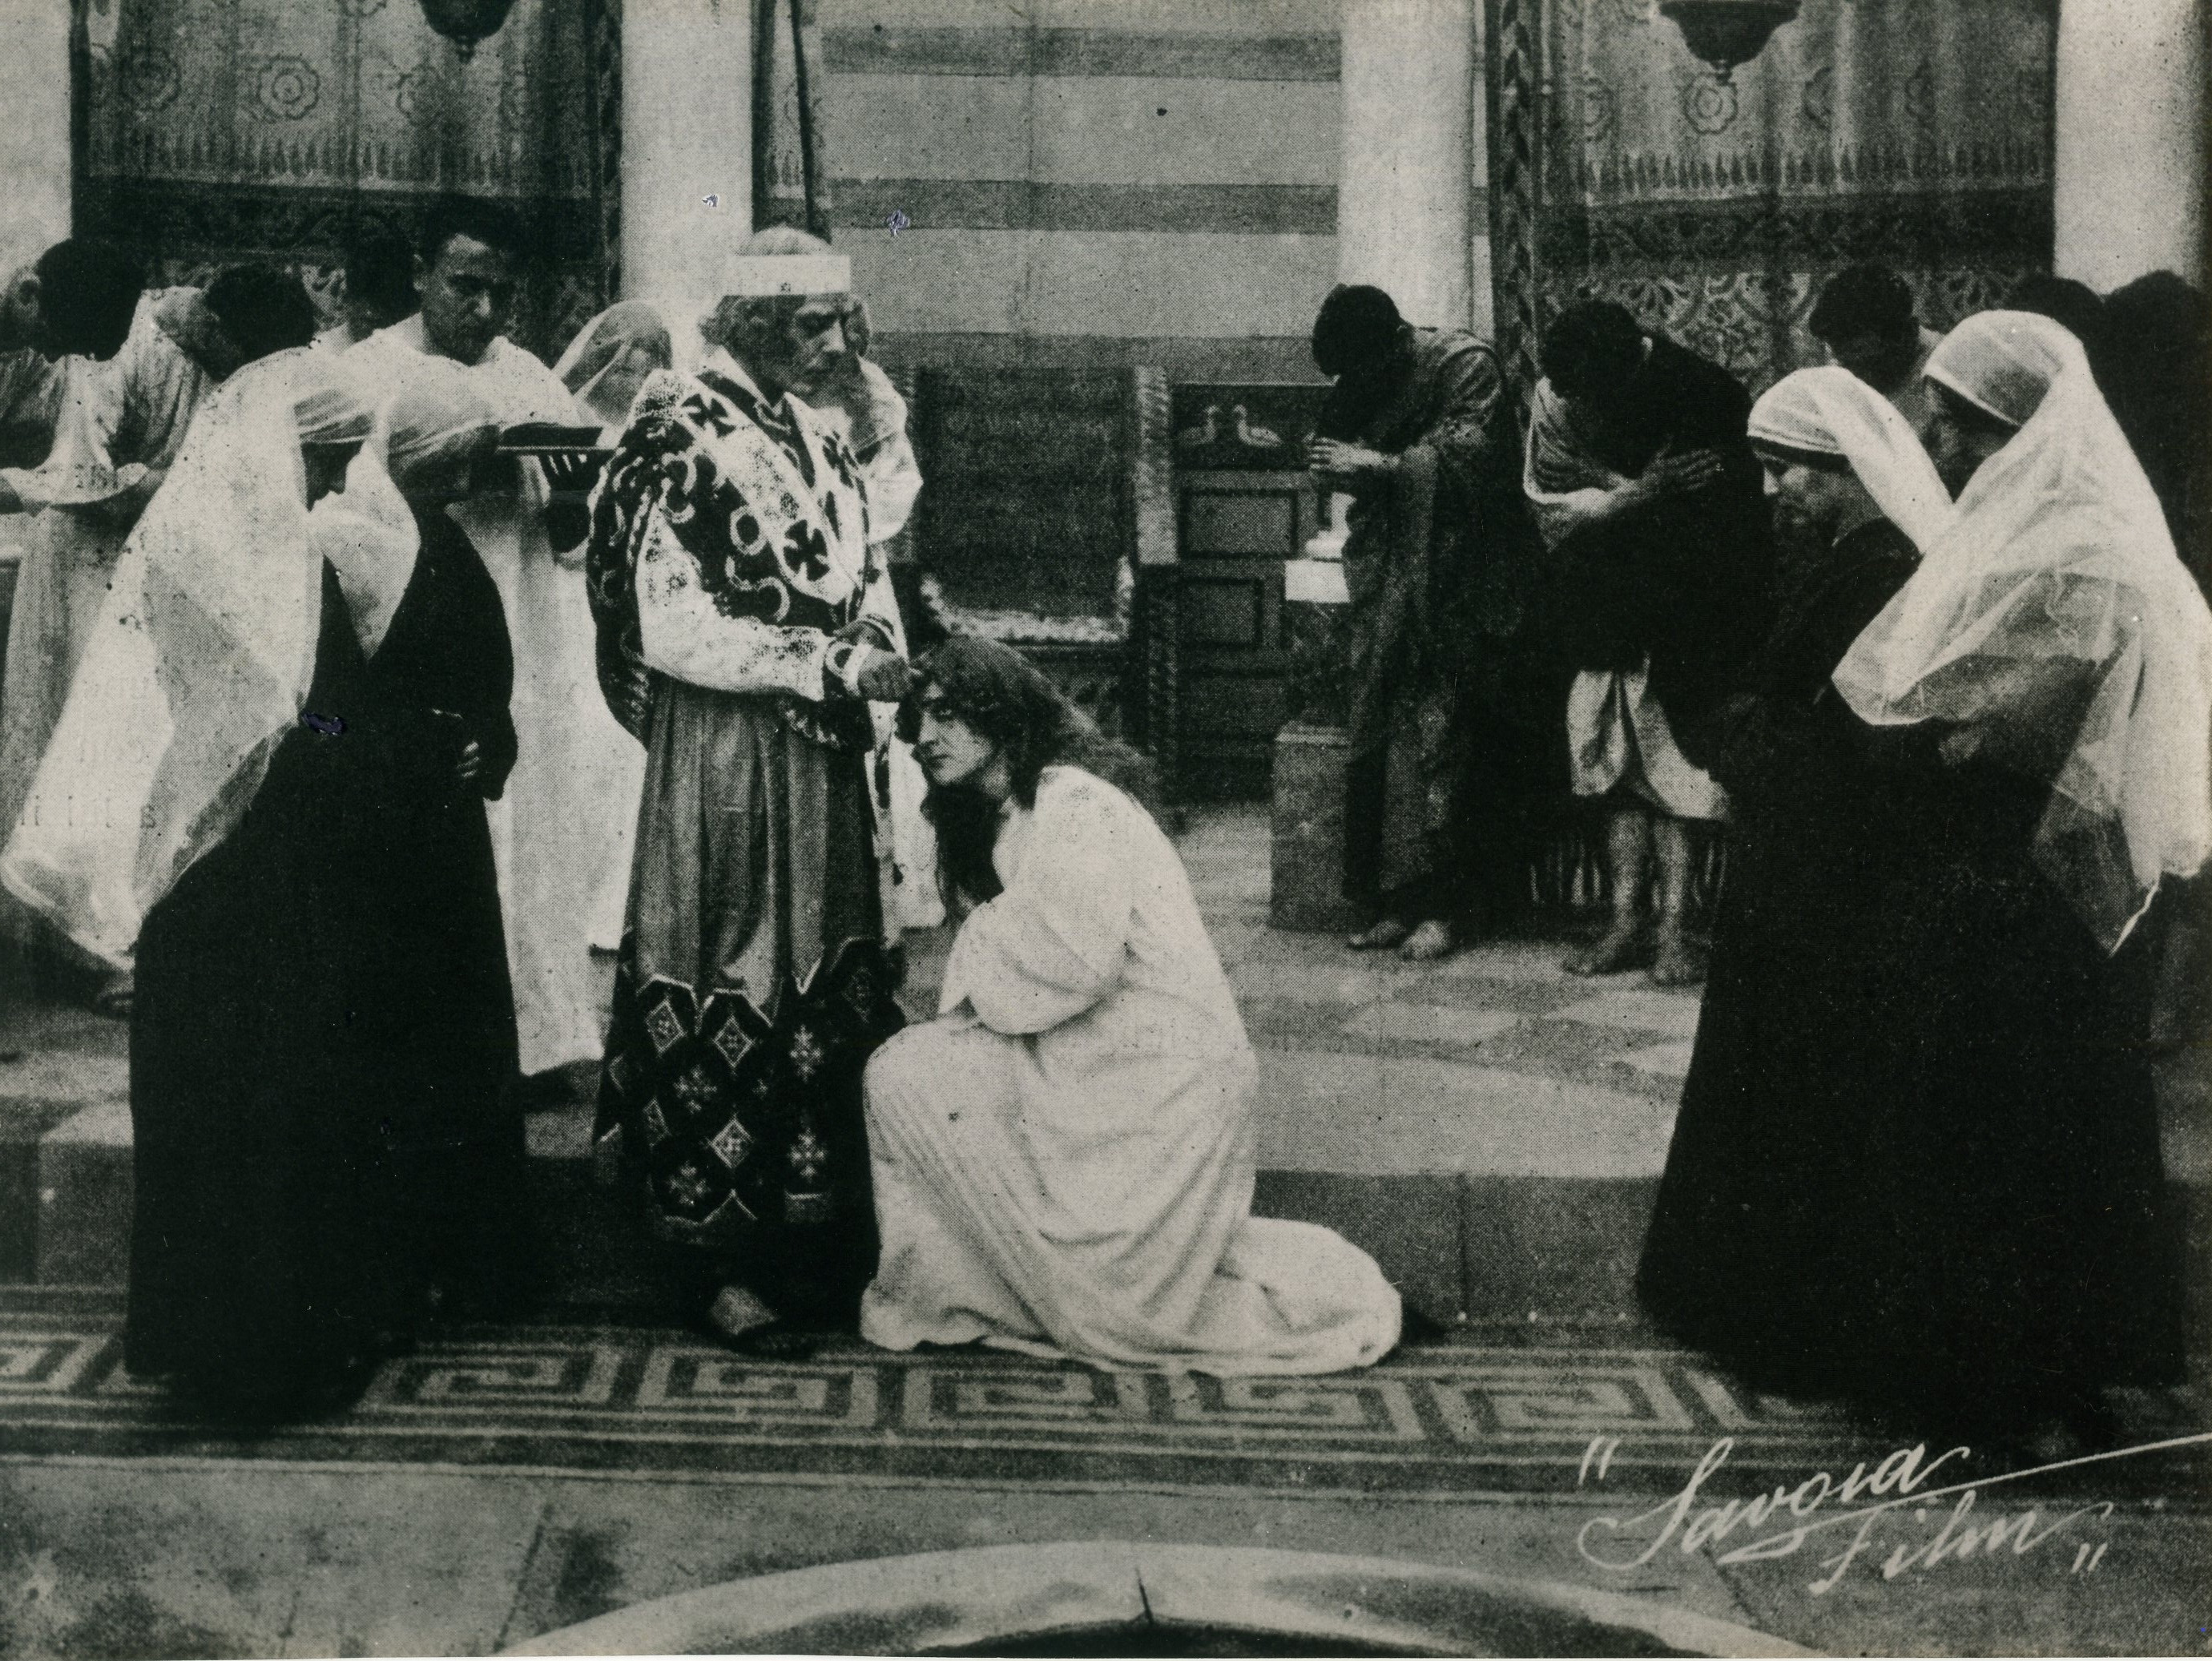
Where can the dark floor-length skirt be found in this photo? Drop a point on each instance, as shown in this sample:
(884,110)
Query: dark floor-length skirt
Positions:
(321,1039)
(1916,1161)
(751,990)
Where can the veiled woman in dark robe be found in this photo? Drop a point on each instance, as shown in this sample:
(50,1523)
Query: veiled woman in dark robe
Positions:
(324,1032)
(1916,1164)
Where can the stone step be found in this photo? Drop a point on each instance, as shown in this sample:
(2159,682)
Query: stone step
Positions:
(1456,1245)
(1534,1246)
(1489,1128)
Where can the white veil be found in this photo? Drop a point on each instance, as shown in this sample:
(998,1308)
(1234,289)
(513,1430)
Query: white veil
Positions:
(2055,589)
(1831,412)
(197,669)
(608,360)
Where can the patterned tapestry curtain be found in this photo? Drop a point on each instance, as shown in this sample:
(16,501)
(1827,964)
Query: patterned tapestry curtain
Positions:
(223,129)
(791,168)
(1917,132)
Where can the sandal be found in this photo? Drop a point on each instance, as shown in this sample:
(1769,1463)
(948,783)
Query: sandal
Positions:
(1432,941)
(774,1341)
(741,1320)
(1388,936)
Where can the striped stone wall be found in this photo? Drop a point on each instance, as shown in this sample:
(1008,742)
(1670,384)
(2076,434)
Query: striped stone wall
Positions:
(1093,183)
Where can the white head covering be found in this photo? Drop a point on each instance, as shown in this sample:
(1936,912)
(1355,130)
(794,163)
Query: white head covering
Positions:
(439,411)
(2055,586)
(366,531)
(197,667)
(1829,411)
(609,360)
(762,271)
(2004,363)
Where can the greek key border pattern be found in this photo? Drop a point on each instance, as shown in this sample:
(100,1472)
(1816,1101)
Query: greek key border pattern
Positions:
(1452,1404)
(1440,1422)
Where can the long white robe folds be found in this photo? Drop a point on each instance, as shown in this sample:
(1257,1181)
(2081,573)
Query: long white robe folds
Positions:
(1063,1160)
(569,814)
(135,407)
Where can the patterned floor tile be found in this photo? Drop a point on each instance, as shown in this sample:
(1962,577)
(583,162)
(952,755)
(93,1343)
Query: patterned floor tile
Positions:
(1579,1052)
(1396,1022)
(1522,997)
(1441,1419)
(1320,983)
(1646,1009)
(1528,961)
(1664,1061)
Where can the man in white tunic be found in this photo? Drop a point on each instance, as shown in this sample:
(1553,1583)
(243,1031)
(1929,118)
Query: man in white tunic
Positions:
(1647,493)
(1063,1158)
(567,799)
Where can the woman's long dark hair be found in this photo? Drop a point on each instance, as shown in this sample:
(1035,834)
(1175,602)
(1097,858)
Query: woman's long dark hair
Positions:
(1035,725)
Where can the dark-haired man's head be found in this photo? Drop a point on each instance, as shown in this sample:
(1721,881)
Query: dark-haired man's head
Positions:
(1866,319)
(2161,304)
(379,279)
(2064,301)
(1359,338)
(466,268)
(262,310)
(1592,351)
(78,297)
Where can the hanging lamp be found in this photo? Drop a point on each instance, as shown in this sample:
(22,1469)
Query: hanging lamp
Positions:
(1727,32)
(465,22)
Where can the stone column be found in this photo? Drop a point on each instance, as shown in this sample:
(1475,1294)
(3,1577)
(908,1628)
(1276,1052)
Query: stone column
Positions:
(2130,163)
(34,140)
(1409,217)
(687,135)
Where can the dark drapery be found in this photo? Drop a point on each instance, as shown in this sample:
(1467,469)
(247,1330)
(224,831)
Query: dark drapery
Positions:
(1917,132)
(791,169)
(223,129)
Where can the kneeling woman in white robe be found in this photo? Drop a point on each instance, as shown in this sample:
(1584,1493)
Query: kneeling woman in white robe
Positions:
(1063,1160)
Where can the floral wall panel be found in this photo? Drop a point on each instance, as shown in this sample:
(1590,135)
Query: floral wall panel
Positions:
(1914,132)
(225,129)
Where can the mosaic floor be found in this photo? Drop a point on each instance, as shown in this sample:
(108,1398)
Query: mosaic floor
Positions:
(1448,1419)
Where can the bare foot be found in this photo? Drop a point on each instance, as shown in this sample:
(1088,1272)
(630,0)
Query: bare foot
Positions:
(1385,936)
(1431,941)
(1623,947)
(113,999)
(1680,961)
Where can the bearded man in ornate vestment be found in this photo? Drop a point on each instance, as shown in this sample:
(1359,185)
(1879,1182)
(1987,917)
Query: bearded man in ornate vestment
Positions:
(744,628)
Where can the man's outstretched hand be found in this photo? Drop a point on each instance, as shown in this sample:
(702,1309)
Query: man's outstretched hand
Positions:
(1335,459)
(884,677)
(1676,475)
